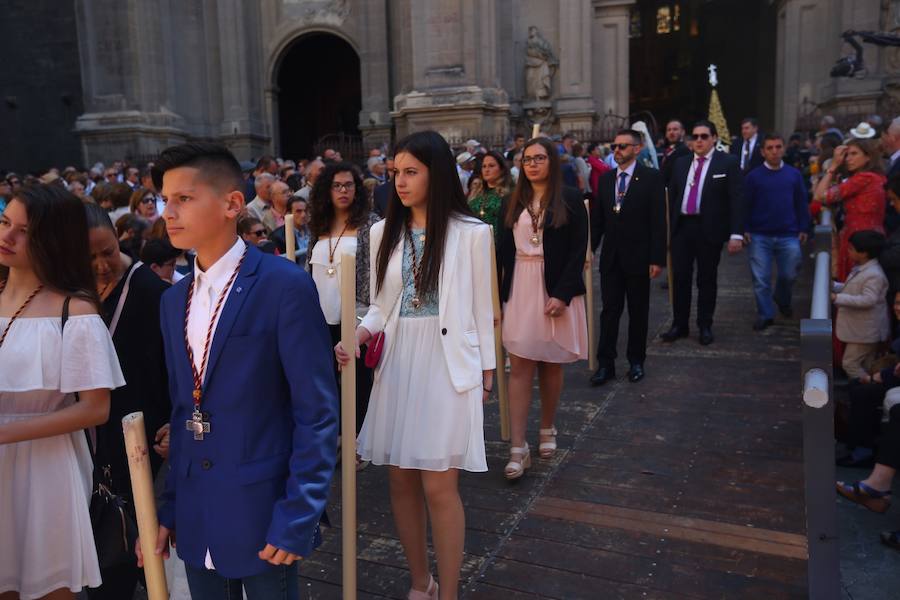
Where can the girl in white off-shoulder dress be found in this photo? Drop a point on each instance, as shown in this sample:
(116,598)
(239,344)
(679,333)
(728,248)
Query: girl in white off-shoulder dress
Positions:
(46,541)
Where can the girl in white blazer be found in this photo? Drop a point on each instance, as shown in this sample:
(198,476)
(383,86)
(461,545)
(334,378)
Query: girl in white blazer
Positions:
(431,296)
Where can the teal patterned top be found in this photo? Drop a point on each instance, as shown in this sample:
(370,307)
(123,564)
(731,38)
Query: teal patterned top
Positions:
(429,306)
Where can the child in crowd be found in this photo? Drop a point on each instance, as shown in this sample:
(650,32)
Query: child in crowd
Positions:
(862,317)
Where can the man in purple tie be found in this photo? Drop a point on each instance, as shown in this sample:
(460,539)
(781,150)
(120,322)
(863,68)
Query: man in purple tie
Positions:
(707,210)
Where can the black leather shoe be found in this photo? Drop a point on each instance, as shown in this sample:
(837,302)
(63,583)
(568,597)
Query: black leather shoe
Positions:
(706,336)
(603,375)
(761,324)
(673,334)
(636,372)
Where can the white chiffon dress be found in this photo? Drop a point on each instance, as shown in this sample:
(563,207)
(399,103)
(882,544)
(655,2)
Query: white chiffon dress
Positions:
(46,541)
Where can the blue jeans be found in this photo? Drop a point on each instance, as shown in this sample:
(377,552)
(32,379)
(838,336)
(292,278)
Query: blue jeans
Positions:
(785,250)
(279,583)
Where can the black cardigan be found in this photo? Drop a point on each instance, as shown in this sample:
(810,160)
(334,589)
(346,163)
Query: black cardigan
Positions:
(565,251)
(139,346)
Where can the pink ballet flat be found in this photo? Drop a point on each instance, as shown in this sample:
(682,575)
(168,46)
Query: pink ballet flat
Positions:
(430,593)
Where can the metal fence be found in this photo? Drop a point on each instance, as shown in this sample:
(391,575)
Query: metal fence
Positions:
(824,573)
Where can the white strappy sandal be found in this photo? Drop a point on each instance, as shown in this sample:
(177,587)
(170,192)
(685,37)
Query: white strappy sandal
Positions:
(516,468)
(546,449)
(430,593)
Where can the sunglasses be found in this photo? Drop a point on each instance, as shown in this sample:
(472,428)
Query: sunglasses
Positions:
(621,146)
(148,200)
(259,233)
(702,136)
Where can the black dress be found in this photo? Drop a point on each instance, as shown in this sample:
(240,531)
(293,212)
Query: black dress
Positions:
(139,345)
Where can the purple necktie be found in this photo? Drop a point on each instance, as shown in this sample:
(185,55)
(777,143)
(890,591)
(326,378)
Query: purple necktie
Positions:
(691,206)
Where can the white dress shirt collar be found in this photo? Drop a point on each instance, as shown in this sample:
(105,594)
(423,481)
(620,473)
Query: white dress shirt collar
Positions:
(895,156)
(771,168)
(219,272)
(707,156)
(629,170)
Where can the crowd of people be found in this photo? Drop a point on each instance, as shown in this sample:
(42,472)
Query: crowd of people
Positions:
(157,288)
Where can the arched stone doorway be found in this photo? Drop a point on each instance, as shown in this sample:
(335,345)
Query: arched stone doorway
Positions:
(319,92)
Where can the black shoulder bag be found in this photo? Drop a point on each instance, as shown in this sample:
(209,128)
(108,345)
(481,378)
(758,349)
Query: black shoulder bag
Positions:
(112,517)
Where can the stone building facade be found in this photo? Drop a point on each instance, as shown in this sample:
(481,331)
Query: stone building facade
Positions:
(157,72)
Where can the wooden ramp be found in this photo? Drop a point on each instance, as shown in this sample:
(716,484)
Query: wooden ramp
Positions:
(688,484)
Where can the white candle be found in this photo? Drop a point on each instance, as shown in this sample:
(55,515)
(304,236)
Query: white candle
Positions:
(289,240)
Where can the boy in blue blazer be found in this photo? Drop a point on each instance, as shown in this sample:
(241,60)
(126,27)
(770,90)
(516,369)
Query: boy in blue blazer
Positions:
(254,403)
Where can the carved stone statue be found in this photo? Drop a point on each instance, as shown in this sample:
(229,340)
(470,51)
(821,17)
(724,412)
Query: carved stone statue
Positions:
(540,66)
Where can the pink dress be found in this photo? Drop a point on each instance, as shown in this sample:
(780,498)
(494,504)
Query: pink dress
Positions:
(527,331)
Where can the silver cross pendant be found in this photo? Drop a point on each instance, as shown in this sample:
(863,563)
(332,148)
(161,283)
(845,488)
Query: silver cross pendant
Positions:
(197,425)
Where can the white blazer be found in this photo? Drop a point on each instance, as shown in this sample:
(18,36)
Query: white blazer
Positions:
(465,306)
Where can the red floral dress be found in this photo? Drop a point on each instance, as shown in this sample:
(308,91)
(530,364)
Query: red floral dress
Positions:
(864,205)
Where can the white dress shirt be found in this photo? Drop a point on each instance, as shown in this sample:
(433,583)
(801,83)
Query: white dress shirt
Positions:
(745,158)
(207,287)
(690,179)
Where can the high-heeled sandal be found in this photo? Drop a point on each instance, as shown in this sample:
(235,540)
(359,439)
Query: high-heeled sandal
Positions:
(516,468)
(430,593)
(546,449)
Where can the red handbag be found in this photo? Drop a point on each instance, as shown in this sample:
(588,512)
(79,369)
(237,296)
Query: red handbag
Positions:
(375,346)
(374,349)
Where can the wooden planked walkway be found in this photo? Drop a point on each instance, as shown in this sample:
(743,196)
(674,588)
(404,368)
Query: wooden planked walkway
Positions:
(686,485)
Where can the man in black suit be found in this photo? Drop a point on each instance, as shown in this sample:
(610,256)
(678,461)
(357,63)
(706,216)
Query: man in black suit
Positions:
(749,150)
(630,219)
(675,148)
(706,208)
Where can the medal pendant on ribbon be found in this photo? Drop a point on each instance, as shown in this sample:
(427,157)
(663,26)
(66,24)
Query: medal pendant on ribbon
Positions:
(535,240)
(330,271)
(416,303)
(197,425)
(617,208)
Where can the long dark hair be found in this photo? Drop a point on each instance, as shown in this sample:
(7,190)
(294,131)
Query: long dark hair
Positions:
(321,208)
(523,194)
(58,241)
(504,186)
(875,164)
(445,200)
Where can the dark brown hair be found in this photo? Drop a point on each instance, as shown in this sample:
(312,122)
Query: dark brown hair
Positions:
(505,184)
(58,241)
(875,165)
(321,208)
(445,201)
(523,194)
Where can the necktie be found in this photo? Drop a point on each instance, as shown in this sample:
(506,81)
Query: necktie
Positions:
(745,159)
(691,206)
(620,192)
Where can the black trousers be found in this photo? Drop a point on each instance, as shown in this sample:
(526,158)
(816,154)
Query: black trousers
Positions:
(363,378)
(690,246)
(616,288)
(866,400)
(889,445)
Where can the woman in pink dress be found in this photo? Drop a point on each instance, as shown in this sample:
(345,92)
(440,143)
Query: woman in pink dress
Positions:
(543,240)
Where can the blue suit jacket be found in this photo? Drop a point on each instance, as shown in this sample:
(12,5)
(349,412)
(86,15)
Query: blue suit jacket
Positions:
(262,473)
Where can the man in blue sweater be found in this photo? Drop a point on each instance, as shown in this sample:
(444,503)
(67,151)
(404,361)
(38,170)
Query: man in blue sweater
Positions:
(777,225)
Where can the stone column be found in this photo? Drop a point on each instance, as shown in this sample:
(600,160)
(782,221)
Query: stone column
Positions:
(575,103)
(243,88)
(610,53)
(454,88)
(127,99)
(375,117)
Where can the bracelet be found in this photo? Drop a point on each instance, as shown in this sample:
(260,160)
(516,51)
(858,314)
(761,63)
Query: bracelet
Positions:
(487,390)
